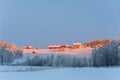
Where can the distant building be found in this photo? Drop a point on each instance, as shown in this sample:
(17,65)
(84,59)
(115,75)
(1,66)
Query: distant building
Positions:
(65,46)
(35,52)
(54,47)
(58,46)
(28,47)
(77,45)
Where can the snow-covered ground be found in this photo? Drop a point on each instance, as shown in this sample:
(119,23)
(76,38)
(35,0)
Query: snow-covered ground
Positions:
(81,52)
(47,52)
(23,68)
(65,74)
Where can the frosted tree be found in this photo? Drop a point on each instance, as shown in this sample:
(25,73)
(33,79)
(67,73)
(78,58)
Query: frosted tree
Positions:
(18,53)
(107,55)
(114,54)
(6,56)
(36,61)
(50,60)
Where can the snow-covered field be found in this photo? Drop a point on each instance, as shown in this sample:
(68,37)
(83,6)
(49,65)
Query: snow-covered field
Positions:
(81,52)
(23,68)
(45,52)
(65,74)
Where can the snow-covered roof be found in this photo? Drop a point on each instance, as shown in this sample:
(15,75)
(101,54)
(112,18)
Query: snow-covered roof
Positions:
(54,46)
(78,43)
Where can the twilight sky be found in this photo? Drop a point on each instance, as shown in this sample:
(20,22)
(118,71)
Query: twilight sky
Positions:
(45,22)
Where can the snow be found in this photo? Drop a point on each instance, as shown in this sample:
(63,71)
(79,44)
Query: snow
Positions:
(65,74)
(23,68)
(81,51)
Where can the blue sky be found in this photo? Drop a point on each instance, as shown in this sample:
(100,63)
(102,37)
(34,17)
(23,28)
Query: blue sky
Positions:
(46,22)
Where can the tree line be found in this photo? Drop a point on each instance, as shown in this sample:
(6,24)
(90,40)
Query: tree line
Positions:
(107,55)
(97,43)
